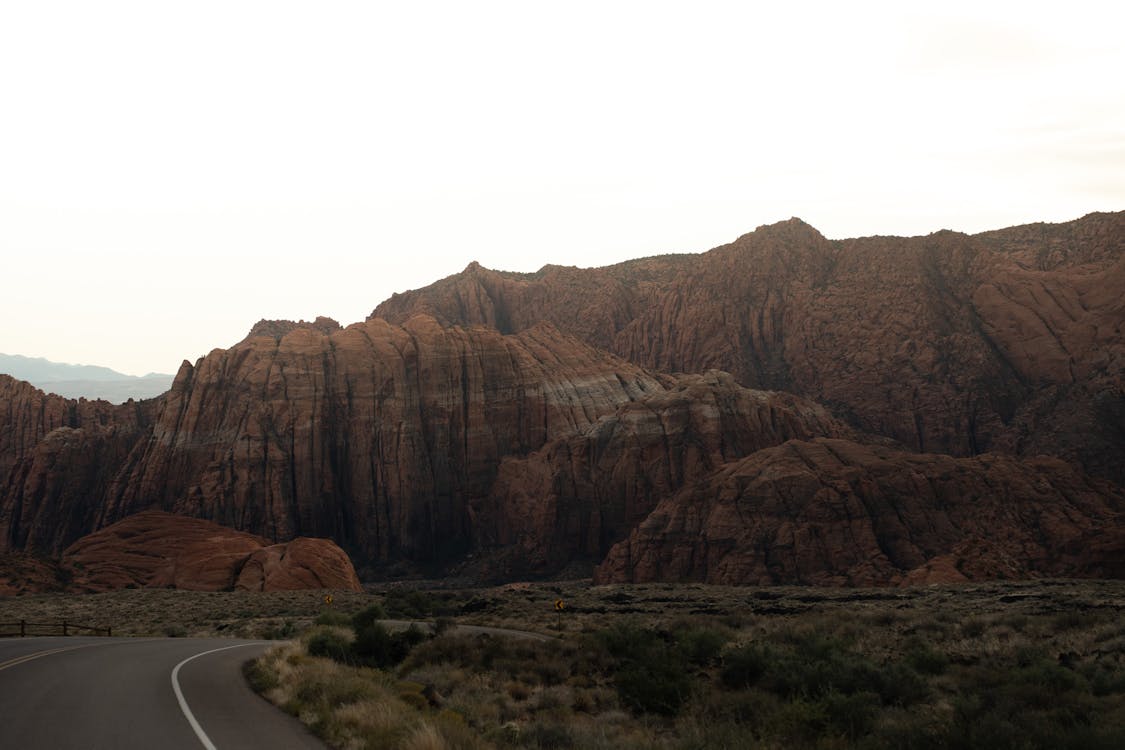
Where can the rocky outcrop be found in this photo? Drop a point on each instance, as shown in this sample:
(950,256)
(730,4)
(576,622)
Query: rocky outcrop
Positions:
(21,573)
(521,446)
(377,436)
(161,550)
(835,512)
(574,498)
(303,563)
(278,328)
(1005,341)
(58,461)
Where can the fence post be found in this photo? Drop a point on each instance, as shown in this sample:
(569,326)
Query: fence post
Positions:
(64,627)
(109,632)
(23,628)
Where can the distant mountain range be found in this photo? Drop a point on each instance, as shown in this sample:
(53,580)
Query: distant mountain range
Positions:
(84,381)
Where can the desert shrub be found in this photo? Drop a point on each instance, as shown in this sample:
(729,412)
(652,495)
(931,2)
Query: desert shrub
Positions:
(1105,681)
(367,616)
(752,707)
(333,687)
(625,641)
(745,665)
(259,676)
(1072,619)
(330,644)
(651,675)
(548,736)
(701,645)
(654,683)
(411,605)
(376,646)
(851,715)
(334,618)
(973,627)
(813,666)
(926,659)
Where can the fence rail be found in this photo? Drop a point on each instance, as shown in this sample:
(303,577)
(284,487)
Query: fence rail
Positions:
(23,629)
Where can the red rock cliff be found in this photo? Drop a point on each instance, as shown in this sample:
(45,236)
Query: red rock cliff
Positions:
(1003,341)
(835,512)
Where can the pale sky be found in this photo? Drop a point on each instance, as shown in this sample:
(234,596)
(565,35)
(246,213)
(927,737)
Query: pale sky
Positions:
(172,172)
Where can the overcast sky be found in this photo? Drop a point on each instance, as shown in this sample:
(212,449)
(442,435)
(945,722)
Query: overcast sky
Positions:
(172,172)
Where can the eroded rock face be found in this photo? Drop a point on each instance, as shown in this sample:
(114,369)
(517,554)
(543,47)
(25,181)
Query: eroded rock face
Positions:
(421,445)
(162,550)
(578,495)
(21,573)
(835,512)
(377,436)
(58,460)
(1003,341)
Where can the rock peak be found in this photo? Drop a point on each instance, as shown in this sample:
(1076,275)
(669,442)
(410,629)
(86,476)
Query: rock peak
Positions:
(278,328)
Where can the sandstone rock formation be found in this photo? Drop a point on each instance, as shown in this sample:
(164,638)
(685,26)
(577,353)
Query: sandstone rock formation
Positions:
(58,460)
(578,495)
(503,435)
(836,512)
(162,550)
(1004,341)
(21,573)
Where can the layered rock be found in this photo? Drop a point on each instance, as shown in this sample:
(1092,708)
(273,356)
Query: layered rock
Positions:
(836,512)
(377,436)
(420,444)
(574,498)
(21,573)
(58,461)
(162,550)
(1004,341)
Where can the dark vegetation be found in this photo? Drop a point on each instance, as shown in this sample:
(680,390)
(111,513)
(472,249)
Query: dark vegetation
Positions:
(1005,665)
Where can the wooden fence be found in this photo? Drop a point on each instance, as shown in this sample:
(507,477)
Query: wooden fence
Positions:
(23,629)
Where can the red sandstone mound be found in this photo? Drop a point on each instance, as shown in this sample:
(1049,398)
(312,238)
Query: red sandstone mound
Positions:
(580,494)
(835,512)
(21,573)
(1004,341)
(163,550)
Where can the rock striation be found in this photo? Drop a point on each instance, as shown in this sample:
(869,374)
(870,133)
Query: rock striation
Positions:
(575,497)
(520,425)
(834,512)
(1005,341)
(161,550)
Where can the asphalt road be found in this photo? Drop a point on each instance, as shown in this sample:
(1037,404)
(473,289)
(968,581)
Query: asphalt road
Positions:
(120,693)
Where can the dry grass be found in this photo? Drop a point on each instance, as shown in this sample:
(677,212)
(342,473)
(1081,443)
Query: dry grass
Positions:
(1034,664)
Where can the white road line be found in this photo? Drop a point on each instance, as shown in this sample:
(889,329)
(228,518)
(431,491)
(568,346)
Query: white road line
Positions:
(180,694)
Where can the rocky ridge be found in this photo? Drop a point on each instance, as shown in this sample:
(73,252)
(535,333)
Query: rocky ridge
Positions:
(490,428)
(1005,341)
(833,512)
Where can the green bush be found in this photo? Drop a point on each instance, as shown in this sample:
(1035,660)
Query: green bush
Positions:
(926,660)
(700,645)
(330,644)
(654,684)
(651,674)
(369,615)
(851,715)
(813,666)
(334,617)
(377,647)
(745,665)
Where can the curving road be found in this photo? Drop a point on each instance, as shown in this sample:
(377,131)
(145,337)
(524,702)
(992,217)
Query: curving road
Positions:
(120,693)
